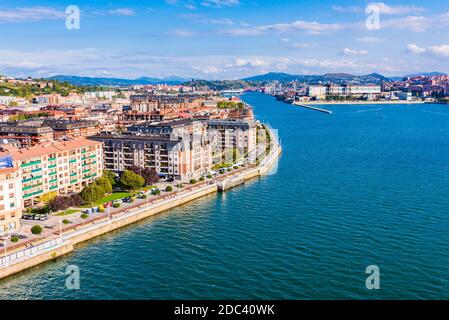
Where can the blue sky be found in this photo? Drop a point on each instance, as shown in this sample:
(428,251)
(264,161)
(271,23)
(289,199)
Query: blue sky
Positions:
(222,39)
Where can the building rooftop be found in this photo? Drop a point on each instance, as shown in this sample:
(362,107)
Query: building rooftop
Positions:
(49,148)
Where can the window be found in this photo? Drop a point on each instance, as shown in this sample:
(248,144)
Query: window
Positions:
(11,196)
(11,186)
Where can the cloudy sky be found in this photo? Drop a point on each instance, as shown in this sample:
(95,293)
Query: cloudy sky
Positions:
(223,39)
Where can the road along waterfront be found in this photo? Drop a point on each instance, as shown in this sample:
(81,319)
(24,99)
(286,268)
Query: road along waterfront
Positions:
(64,241)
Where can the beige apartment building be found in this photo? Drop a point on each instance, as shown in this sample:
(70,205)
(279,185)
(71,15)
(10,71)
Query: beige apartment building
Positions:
(64,167)
(179,150)
(10,200)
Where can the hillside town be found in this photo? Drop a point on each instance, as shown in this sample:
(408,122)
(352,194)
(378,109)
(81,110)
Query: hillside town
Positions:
(413,88)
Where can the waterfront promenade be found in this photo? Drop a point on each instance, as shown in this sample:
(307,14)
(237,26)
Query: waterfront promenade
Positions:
(62,241)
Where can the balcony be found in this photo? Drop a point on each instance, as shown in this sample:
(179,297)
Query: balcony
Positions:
(24,165)
(31,179)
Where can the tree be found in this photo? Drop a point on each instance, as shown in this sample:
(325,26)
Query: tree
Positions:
(110,176)
(48,197)
(105,184)
(59,203)
(76,200)
(92,193)
(151,176)
(131,180)
(37,229)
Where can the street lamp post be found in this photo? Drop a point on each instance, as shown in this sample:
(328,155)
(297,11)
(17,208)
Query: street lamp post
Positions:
(109,214)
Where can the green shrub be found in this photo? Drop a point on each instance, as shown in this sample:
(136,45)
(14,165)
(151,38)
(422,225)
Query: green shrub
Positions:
(156,192)
(116,205)
(202,179)
(37,229)
(192,181)
(144,196)
(65,221)
(84,216)
(179,185)
(236,167)
(14,239)
(209,176)
(169,189)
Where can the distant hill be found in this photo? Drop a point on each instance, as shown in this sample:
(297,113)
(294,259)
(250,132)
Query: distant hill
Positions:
(426,74)
(330,77)
(92,81)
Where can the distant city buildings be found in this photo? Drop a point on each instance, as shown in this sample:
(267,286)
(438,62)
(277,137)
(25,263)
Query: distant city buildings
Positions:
(322,91)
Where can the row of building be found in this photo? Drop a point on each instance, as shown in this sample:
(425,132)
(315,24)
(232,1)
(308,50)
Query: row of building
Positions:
(321,91)
(28,173)
(178,150)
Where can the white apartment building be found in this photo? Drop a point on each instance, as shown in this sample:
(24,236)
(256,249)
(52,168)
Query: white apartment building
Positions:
(10,199)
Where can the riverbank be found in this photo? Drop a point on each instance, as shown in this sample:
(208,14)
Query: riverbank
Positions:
(64,241)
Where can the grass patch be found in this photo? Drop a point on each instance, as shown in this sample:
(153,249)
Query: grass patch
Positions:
(67,212)
(111,197)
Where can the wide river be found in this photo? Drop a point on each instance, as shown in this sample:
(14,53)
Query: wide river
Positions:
(367,185)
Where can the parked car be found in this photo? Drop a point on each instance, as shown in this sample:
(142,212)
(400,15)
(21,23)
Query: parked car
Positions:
(119,201)
(127,199)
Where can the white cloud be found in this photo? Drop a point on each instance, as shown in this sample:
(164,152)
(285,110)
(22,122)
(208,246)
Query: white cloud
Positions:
(397,10)
(352,9)
(192,4)
(413,48)
(370,39)
(351,52)
(439,50)
(31,14)
(225,21)
(309,27)
(220,3)
(414,23)
(181,33)
(303,45)
(123,12)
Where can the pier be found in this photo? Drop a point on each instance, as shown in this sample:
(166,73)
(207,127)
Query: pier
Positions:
(314,108)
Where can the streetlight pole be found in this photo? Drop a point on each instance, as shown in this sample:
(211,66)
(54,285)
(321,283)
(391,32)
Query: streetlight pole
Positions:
(60,229)
(109,214)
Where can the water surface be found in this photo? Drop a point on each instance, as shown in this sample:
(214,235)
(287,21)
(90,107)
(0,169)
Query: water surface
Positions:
(366,185)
